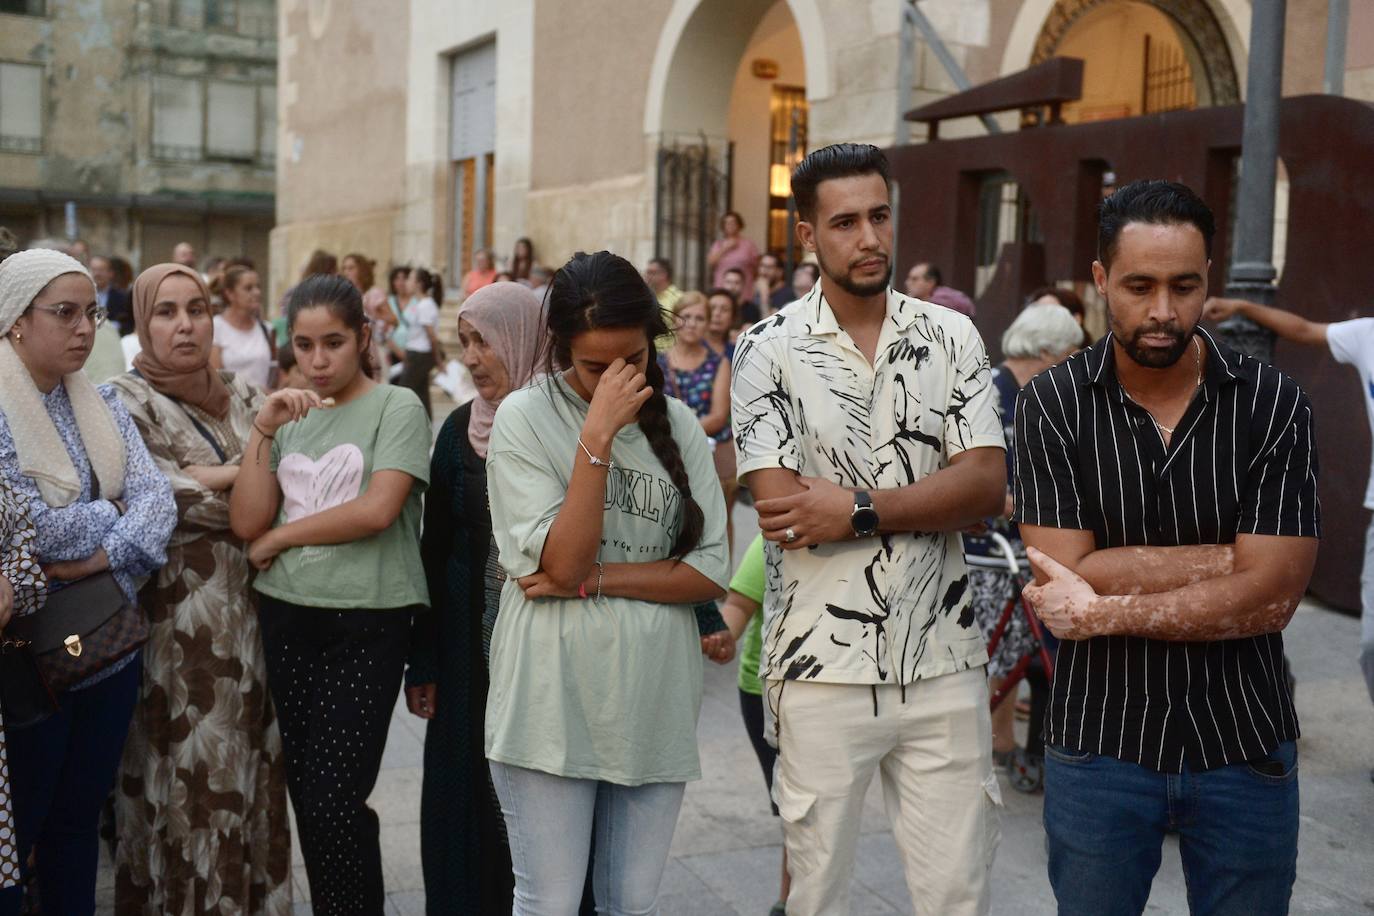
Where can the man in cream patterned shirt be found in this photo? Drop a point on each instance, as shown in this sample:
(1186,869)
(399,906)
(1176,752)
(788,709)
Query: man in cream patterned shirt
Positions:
(866,429)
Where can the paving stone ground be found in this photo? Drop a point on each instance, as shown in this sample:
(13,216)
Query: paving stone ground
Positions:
(727,847)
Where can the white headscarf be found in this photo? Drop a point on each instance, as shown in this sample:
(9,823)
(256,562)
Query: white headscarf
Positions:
(42,456)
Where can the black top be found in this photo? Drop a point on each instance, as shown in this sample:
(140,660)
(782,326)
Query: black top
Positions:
(466,861)
(119,308)
(1242,461)
(446,644)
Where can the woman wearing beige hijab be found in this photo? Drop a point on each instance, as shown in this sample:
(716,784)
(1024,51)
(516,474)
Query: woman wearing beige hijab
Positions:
(201,799)
(98,503)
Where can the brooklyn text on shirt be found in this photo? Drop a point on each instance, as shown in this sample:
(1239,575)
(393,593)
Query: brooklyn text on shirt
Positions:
(642,494)
(626,547)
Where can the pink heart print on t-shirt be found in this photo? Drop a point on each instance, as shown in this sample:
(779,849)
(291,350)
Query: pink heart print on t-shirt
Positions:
(310,487)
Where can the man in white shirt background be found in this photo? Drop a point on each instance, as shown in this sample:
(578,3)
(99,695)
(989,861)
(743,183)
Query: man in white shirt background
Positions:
(1352,343)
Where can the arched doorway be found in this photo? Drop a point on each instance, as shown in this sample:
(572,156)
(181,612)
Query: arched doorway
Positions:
(1140,57)
(727,119)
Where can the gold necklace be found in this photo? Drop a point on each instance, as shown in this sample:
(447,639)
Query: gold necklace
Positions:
(1197,361)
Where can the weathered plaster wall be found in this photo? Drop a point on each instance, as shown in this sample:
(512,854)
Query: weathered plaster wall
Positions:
(341,135)
(99,59)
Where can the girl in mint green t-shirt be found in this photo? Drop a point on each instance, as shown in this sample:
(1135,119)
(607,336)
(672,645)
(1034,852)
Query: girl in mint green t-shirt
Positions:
(610,525)
(328,498)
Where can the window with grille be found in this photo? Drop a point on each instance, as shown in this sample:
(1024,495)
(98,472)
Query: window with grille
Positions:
(1168,79)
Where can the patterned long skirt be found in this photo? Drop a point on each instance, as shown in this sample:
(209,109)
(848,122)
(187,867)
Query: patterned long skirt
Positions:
(200,805)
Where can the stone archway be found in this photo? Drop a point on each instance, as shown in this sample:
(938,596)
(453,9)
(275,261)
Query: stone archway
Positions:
(698,48)
(711,120)
(1197,26)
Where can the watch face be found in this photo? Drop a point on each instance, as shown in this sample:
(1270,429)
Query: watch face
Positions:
(864,520)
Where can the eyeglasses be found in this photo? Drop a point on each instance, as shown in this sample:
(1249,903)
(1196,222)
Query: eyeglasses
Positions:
(69,315)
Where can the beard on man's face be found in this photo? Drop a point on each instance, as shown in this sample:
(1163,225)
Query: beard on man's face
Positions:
(846,281)
(1154,357)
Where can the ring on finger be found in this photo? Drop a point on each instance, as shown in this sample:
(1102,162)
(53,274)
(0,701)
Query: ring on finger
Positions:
(789,535)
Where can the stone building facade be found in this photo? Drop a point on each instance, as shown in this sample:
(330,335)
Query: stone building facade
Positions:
(136,124)
(630,124)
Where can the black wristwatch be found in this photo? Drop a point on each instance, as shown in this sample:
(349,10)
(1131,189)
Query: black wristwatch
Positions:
(864,518)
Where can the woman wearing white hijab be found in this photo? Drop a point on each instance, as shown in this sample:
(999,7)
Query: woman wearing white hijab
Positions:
(97,503)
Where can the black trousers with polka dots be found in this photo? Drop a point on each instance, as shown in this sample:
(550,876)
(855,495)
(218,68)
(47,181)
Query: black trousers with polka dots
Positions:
(334,677)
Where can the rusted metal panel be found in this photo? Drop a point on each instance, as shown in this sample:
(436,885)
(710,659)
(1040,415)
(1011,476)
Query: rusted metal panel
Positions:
(1327,147)
(1057,80)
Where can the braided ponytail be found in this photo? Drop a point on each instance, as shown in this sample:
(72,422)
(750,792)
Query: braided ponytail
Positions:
(658,429)
(603,290)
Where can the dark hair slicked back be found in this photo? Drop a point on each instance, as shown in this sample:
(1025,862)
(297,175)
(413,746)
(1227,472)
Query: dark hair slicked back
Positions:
(840,160)
(1153,201)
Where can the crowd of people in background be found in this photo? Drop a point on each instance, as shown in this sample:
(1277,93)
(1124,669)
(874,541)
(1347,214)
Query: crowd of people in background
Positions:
(210,381)
(403,310)
(267,545)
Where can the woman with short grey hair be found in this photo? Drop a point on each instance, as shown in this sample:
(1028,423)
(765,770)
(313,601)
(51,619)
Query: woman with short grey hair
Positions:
(1041,330)
(1041,336)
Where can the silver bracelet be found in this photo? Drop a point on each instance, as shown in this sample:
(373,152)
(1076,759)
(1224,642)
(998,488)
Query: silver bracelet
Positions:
(599,571)
(595,461)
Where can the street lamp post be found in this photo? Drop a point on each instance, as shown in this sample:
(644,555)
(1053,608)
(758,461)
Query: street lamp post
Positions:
(1252,258)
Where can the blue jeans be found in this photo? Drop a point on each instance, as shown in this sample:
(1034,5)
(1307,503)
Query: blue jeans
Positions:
(1238,833)
(61,771)
(549,821)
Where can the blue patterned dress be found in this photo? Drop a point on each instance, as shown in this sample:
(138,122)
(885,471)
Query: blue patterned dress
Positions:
(695,387)
(135,542)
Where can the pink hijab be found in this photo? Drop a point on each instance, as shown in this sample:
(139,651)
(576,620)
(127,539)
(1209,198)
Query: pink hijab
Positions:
(510,318)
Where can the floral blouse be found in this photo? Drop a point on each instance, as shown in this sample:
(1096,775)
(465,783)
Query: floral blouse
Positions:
(17,562)
(134,542)
(695,387)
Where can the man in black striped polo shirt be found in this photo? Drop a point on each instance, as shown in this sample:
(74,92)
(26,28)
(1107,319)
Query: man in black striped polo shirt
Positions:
(1166,489)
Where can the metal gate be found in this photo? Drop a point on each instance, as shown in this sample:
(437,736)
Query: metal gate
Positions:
(692,192)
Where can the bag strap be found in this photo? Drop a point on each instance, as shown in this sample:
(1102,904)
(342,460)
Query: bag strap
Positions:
(200,428)
(269,337)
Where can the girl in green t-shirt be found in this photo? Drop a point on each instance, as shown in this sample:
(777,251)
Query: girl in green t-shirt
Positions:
(328,498)
(610,525)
